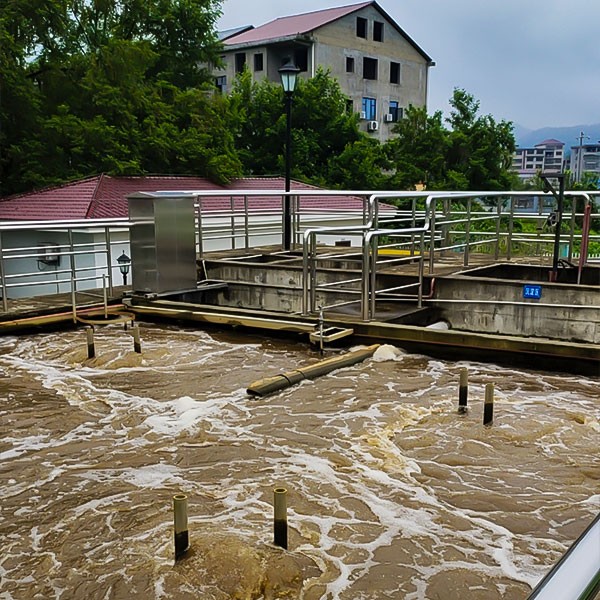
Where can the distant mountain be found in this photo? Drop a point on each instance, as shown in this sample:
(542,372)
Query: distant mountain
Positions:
(527,138)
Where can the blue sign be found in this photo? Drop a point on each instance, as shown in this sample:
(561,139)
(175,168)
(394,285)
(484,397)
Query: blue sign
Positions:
(532,291)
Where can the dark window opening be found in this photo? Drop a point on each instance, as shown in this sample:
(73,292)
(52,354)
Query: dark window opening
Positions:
(370,68)
(258,62)
(361,27)
(301,58)
(349,106)
(349,64)
(240,62)
(394,72)
(377,31)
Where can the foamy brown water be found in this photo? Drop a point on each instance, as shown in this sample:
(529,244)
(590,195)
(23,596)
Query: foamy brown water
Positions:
(391,493)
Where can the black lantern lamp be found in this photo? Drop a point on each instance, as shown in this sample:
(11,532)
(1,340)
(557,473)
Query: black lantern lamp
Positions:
(124,263)
(289,76)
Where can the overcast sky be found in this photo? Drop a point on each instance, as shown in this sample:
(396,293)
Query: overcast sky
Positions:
(533,62)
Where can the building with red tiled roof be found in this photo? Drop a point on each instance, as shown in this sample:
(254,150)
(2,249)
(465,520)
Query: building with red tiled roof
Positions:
(104,196)
(378,66)
(39,246)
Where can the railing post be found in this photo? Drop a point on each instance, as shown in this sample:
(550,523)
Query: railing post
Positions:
(572,231)
(200,232)
(373,275)
(105,296)
(73,299)
(365,277)
(511,222)
(72,261)
(232,221)
(313,271)
(305,274)
(432,238)
(108,259)
(467,235)
(246,223)
(3,279)
(498,217)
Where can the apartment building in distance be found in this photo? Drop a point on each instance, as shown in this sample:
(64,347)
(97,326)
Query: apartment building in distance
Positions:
(585,159)
(378,66)
(547,156)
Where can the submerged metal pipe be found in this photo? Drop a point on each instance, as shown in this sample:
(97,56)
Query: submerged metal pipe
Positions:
(463,392)
(180,525)
(488,406)
(280,528)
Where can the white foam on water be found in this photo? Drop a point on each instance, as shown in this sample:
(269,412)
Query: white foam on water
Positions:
(387,352)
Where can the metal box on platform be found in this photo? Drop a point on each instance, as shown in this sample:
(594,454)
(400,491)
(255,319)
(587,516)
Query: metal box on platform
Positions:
(163,242)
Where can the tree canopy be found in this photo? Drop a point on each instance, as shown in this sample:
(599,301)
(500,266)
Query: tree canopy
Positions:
(475,153)
(96,85)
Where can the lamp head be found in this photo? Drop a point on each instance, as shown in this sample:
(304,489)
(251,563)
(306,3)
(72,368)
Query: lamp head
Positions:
(289,75)
(124,262)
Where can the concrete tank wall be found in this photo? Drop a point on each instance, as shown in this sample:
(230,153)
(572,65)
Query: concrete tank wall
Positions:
(564,312)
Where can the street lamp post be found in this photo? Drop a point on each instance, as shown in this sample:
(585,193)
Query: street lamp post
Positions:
(289,75)
(560,195)
(124,263)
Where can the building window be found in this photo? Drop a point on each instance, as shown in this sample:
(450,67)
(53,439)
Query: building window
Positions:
(258,62)
(240,62)
(394,72)
(377,31)
(369,107)
(395,111)
(361,27)
(221,83)
(349,106)
(370,68)
(301,58)
(349,64)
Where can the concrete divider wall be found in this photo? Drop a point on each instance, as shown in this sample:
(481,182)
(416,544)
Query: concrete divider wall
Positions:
(563,312)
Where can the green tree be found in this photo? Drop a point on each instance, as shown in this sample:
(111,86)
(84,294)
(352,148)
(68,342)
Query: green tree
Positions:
(418,150)
(322,127)
(95,85)
(480,149)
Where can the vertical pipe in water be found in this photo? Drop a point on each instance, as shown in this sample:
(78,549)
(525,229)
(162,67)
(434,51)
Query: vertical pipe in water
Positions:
(280,532)
(91,349)
(137,344)
(180,517)
(488,407)
(463,392)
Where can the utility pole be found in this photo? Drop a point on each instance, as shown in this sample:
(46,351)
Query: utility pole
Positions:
(579,165)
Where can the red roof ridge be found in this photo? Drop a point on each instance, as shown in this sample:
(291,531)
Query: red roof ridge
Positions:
(295,24)
(50,187)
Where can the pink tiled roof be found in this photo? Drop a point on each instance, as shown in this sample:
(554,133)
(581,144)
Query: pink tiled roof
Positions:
(295,24)
(550,142)
(104,197)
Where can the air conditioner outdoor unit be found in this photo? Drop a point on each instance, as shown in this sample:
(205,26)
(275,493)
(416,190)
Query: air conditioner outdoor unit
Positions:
(49,254)
(389,118)
(363,115)
(373,126)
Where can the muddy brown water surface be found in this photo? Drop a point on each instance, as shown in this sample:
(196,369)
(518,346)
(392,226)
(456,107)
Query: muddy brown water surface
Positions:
(391,494)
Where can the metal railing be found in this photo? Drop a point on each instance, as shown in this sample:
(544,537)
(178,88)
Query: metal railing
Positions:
(443,222)
(389,228)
